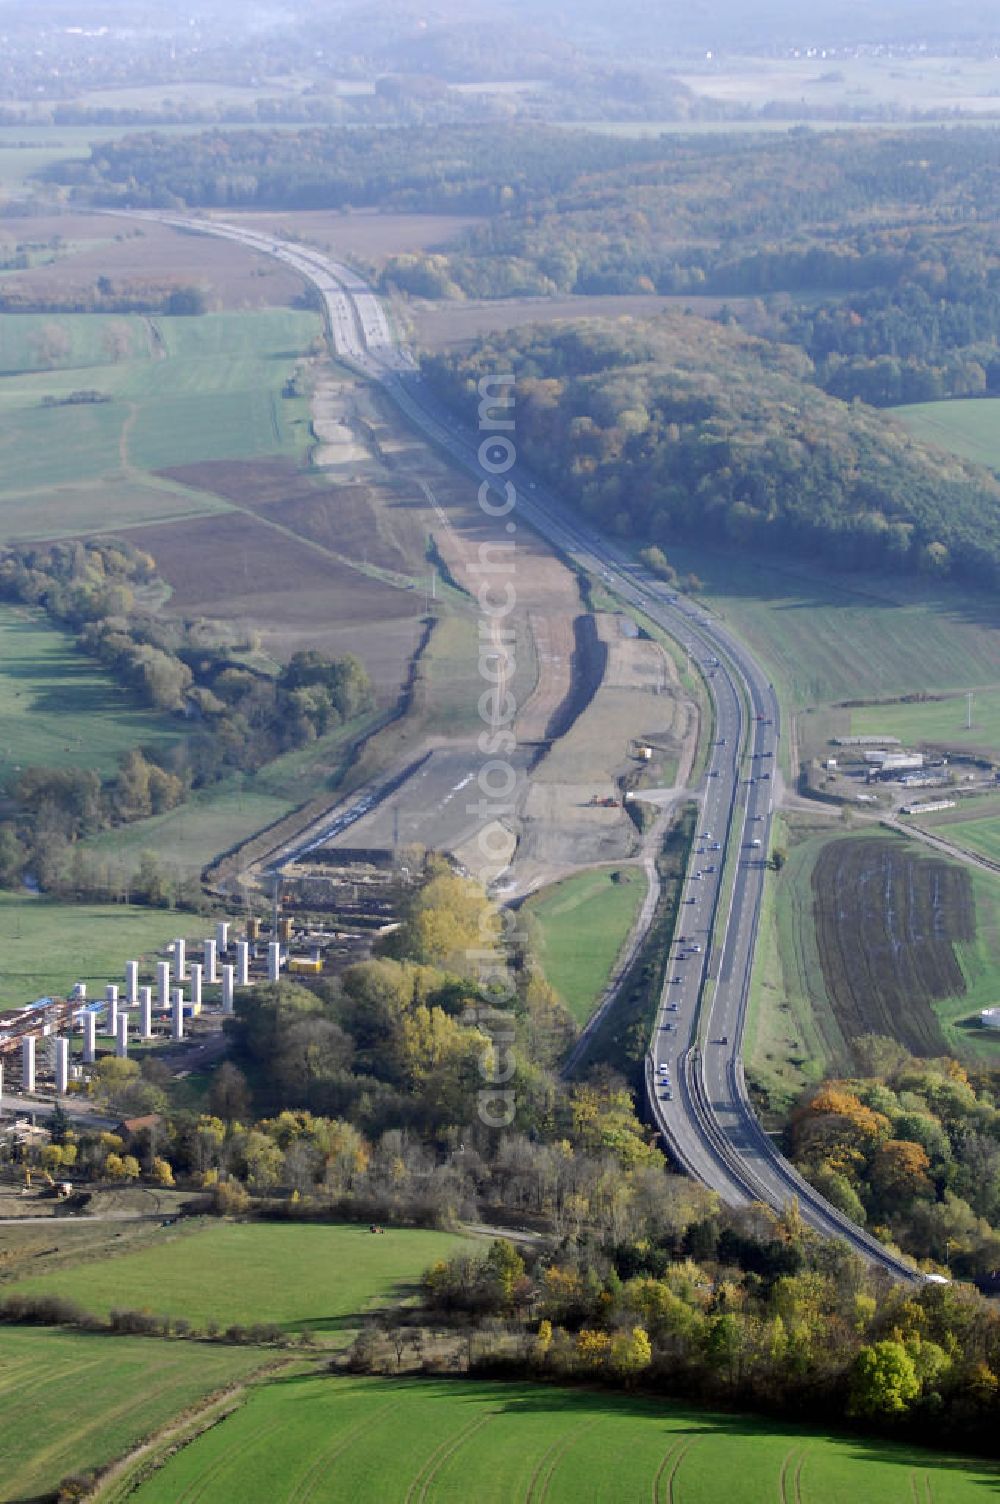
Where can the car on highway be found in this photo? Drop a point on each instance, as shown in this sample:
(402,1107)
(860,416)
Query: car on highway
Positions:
(723,1038)
(673,1007)
(668,1095)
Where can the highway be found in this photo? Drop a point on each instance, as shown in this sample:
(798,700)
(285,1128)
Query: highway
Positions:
(694,1070)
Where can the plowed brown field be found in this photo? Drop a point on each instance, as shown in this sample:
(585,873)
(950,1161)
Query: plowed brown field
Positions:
(886,923)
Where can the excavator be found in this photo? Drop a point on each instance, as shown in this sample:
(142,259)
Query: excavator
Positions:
(58,1188)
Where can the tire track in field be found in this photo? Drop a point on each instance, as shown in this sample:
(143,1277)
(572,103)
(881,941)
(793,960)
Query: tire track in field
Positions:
(136,1404)
(920,1487)
(548,1462)
(668,1454)
(443,1453)
(304,1489)
(783,1477)
(66,1438)
(22,1375)
(678,1458)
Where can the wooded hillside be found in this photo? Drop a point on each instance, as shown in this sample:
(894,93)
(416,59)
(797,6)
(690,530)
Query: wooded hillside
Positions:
(678,428)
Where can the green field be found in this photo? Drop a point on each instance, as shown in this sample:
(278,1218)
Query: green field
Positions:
(980,835)
(582,924)
(793,1035)
(73,1401)
(373,1440)
(47,946)
(967,426)
(295,1274)
(57,707)
(189,389)
(978,958)
(187,838)
(941,722)
(827,639)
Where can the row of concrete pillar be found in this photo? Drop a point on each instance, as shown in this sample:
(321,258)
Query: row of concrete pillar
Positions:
(169,999)
(211,950)
(205,973)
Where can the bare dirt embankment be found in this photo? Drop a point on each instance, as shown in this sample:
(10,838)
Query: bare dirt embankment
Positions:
(343,559)
(362,235)
(574,814)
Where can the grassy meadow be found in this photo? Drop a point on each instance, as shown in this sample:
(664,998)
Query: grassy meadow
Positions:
(59,709)
(967,426)
(294,1274)
(979,834)
(582,924)
(47,946)
(853,637)
(74,1401)
(959,1017)
(942,722)
(219,817)
(317,1438)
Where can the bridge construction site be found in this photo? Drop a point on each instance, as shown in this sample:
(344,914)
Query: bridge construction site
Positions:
(49,1046)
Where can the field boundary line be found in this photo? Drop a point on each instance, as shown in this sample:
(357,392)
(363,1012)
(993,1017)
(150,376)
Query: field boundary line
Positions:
(117,1482)
(66,1437)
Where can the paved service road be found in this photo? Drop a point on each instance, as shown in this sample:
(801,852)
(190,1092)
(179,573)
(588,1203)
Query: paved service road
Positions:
(694,1071)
